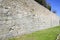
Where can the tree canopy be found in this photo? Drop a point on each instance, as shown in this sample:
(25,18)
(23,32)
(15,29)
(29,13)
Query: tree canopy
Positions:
(43,2)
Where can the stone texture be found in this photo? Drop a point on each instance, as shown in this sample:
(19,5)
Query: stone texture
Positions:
(18,17)
(58,37)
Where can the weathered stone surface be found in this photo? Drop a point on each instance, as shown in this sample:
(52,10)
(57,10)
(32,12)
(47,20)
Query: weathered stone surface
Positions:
(58,37)
(18,17)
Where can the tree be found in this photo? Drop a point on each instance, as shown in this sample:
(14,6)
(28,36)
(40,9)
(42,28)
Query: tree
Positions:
(48,7)
(54,11)
(43,2)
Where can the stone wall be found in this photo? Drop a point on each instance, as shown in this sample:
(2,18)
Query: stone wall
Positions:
(18,17)
(58,37)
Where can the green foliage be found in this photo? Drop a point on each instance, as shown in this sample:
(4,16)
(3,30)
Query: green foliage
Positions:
(48,7)
(47,34)
(43,2)
(54,11)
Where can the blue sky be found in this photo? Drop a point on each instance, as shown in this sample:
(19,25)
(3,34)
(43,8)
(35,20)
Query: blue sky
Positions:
(55,5)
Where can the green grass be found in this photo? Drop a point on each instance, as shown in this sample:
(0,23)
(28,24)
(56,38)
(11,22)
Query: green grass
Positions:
(47,34)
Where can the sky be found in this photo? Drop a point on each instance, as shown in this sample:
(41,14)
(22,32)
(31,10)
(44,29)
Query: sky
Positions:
(55,5)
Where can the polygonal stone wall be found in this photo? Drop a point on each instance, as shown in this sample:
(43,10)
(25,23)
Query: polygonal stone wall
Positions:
(18,17)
